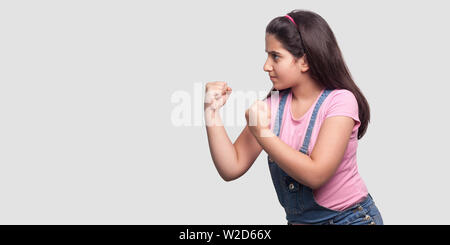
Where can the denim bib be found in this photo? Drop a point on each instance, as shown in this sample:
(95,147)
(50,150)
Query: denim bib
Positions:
(297,199)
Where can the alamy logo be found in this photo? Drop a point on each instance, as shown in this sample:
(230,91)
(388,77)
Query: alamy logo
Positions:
(188,107)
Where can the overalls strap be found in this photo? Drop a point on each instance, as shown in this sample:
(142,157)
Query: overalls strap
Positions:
(307,139)
(279,117)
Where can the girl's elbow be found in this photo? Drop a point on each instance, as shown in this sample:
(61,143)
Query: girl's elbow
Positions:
(314,180)
(229,177)
(232,174)
(316,185)
(318,181)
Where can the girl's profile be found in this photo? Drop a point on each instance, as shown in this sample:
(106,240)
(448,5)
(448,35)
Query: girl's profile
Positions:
(309,125)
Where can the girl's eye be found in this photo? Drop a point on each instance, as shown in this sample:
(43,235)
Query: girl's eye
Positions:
(275,56)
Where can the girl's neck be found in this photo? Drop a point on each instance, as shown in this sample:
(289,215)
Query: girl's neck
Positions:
(306,91)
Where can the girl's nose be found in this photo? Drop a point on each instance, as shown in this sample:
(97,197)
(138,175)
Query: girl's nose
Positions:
(267,67)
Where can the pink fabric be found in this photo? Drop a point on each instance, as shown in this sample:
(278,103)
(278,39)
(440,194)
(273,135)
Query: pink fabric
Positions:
(346,187)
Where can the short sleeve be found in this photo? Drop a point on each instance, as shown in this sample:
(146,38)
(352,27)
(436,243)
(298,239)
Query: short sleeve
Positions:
(344,103)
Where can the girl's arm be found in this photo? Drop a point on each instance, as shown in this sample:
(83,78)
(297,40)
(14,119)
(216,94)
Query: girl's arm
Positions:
(230,160)
(316,169)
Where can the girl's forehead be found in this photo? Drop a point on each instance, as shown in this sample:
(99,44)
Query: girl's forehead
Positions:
(272,39)
(273,45)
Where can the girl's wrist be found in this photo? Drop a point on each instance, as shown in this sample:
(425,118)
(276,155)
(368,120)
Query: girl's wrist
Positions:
(212,117)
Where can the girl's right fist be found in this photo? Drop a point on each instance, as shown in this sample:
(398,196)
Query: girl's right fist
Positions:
(216,95)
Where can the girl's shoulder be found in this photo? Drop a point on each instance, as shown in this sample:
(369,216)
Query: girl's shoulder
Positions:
(341,96)
(341,92)
(341,102)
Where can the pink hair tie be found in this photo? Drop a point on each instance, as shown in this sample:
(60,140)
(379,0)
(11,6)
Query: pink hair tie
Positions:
(290,18)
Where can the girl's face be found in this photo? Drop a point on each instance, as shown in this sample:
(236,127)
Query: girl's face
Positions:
(284,70)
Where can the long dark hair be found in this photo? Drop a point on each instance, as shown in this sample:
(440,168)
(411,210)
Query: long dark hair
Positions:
(315,39)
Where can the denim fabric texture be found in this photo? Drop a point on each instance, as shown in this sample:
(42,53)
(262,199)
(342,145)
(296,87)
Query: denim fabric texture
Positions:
(298,200)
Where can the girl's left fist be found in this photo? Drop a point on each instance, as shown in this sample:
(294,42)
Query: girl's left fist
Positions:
(258,119)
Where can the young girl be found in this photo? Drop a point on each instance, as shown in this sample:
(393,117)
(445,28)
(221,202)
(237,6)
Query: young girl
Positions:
(317,114)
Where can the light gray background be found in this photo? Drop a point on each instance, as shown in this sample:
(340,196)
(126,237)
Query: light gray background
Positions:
(86,135)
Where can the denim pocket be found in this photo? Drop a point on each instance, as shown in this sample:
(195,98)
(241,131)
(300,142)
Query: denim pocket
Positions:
(375,214)
(357,216)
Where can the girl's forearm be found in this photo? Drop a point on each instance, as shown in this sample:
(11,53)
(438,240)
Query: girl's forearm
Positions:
(222,149)
(296,164)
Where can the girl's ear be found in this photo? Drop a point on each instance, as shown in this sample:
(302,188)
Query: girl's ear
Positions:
(302,63)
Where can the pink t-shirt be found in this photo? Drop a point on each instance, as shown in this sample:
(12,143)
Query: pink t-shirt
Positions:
(345,188)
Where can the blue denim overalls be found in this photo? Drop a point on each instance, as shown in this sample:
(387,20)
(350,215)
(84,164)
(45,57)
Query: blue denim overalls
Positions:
(298,200)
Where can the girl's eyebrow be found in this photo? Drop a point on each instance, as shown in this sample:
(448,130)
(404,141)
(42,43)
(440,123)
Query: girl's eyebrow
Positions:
(272,52)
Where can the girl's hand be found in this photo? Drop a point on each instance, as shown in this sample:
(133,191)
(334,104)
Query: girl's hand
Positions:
(258,119)
(216,95)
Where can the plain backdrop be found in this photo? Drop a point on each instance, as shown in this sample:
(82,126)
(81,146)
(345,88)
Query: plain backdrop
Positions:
(86,108)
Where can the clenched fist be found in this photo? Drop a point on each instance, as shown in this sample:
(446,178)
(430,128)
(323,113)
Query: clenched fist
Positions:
(216,95)
(258,119)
